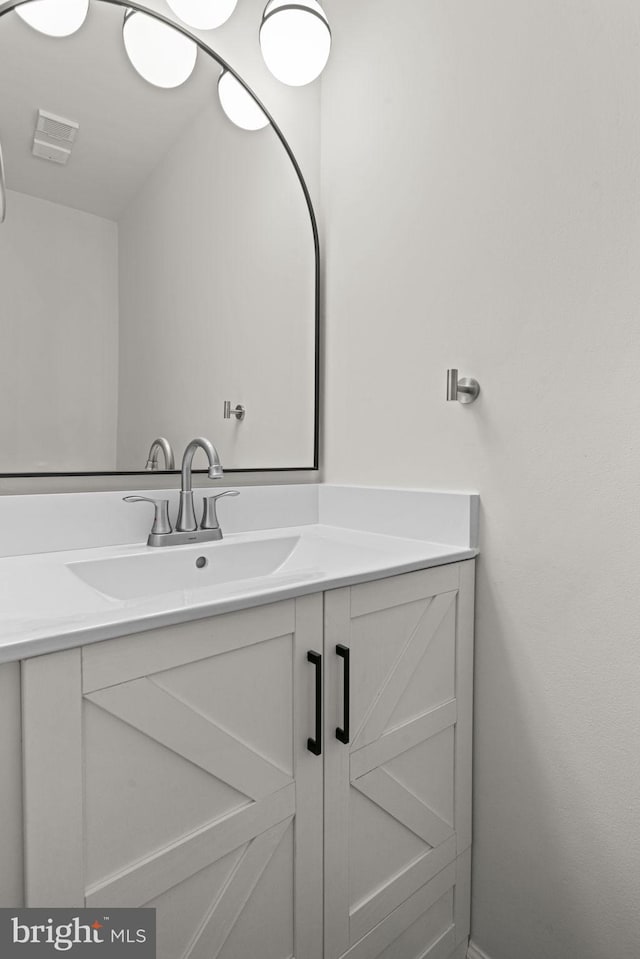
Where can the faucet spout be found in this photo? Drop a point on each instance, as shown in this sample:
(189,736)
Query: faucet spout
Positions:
(186,515)
(215,469)
(160,445)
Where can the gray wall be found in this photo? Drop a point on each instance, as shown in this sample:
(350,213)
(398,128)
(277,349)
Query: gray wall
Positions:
(482,210)
(217,301)
(58,285)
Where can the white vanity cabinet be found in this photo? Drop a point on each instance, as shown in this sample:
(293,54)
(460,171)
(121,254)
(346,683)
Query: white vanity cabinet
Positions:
(179,768)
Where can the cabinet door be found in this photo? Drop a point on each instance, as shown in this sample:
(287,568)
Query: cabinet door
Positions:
(185,756)
(397,795)
(11,884)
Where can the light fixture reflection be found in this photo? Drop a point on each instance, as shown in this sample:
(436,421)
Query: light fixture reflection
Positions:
(56,18)
(239,105)
(203,14)
(296,40)
(161,55)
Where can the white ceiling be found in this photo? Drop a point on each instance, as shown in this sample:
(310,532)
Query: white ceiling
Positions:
(126,125)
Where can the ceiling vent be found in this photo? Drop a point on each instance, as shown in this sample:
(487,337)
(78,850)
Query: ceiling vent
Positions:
(54,137)
(56,128)
(50,151)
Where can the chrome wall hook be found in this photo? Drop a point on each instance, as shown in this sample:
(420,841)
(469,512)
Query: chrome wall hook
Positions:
(239,411)
(464,390)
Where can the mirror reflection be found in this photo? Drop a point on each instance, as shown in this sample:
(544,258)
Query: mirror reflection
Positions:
(156,265)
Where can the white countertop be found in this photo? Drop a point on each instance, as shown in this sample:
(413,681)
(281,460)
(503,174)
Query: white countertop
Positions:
(45,606)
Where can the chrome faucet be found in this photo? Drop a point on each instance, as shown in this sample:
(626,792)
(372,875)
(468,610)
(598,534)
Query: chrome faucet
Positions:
(186,515)
(187,530)
(160,445)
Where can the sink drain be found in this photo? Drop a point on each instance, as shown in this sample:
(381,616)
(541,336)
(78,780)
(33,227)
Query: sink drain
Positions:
(201,562)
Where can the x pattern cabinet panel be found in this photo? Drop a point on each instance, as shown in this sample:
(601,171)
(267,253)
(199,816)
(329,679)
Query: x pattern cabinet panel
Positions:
(192,777)
(390,807)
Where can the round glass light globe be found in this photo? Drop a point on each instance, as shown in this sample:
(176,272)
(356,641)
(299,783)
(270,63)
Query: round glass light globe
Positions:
(56,18)
(203,14)
(295,43)
(239,106)
(161,55)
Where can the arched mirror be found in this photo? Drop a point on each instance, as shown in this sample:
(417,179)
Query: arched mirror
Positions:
(158,262)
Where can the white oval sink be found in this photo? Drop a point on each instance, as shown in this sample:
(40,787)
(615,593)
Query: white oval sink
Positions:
(190,567)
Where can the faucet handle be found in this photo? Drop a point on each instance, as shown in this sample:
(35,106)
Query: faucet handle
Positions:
(161,522)
(209,515)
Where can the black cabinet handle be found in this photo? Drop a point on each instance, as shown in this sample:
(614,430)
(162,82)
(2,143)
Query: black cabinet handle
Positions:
(315,745)
(343,734)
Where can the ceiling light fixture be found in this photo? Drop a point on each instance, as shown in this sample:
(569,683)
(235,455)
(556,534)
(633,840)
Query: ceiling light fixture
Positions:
(239,105)
(161,55)
(56,18)
(296,40)
(203,14)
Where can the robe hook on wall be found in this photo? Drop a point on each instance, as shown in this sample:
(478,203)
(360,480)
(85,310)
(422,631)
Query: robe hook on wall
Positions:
(463,390)
(238,411)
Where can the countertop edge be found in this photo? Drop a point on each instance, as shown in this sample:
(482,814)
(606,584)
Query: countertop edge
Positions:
(56,642)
